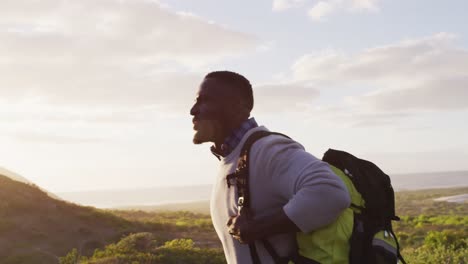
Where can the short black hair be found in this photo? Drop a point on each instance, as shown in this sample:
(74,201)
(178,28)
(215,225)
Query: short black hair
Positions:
(236,81)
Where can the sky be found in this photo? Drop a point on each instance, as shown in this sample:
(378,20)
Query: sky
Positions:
(95,94)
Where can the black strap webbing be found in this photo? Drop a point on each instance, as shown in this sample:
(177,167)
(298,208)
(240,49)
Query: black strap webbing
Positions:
(256,136)
(244,192)
(254,253)
(399,256)
(273,254)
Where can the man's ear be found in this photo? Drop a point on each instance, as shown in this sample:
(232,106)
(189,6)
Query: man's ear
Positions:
(239,110)
(244,110)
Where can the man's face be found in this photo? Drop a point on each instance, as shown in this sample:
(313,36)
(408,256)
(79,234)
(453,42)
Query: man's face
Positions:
(209,112)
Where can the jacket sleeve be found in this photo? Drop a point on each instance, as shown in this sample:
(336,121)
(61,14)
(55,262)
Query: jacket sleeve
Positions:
(315,195)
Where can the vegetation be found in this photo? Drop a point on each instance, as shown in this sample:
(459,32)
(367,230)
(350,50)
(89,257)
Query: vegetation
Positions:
(181,220)
(182,224)
(201,207)
(35,228)
(430,231)
(146,248)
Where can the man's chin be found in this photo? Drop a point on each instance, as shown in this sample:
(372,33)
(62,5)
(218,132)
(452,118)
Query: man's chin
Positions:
(199,139)
(205,131)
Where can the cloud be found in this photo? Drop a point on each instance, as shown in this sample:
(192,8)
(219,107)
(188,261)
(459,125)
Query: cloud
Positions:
(327,7)
(427,74)
(441,94)
(121,52)
(320,9)
(345,116)
(39,112)
(284,97)
(141,29)
(38,122)
(365,4)
(281,5)
(33,137)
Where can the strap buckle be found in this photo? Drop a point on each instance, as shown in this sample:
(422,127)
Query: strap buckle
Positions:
(231,180)
(240,202)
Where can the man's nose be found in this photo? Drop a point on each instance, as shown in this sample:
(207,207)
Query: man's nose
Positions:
(194,110)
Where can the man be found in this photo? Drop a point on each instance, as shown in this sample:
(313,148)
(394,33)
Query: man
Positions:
(290,190)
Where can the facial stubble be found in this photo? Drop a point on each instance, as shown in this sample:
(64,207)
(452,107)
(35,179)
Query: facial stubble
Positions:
(206,131)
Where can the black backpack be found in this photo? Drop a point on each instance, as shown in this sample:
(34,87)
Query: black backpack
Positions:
(373,224)
(372,240)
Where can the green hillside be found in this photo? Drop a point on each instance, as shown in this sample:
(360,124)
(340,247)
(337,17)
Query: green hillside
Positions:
(429,232)
(35,228)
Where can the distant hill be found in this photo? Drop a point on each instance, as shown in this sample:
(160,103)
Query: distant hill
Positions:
(35,228)
(15,176)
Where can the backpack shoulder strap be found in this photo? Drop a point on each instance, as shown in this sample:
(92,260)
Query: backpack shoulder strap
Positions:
(256,136)
(242,180)
(243,166)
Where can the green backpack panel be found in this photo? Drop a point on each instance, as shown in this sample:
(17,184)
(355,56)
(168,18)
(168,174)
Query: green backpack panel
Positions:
(330,245)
